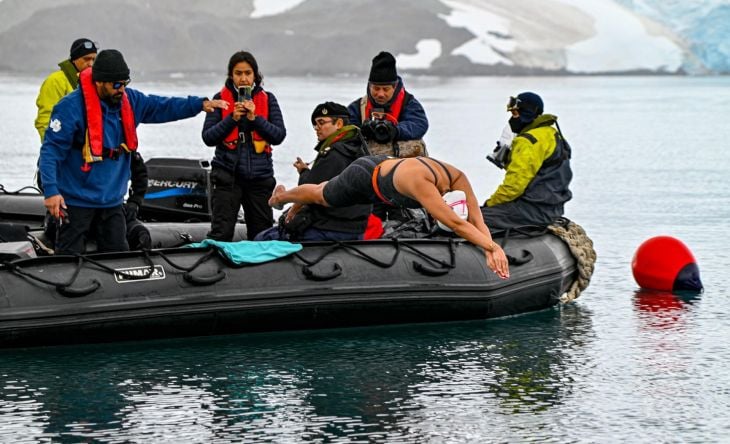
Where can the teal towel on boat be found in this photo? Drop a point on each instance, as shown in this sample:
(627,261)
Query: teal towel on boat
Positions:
(250,252)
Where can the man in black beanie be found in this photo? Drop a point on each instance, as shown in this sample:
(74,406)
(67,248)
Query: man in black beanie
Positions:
(392,121)
(88,149)
(61,82)
(338,145)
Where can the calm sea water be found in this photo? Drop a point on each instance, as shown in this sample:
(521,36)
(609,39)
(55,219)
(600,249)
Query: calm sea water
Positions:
(650,158)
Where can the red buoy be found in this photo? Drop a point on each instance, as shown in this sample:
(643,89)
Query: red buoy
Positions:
(665,263)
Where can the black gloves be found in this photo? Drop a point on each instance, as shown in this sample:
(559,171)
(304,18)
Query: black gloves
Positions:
(381,131)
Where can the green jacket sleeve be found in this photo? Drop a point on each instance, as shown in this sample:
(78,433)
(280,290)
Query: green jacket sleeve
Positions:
(53,89)
(525,162)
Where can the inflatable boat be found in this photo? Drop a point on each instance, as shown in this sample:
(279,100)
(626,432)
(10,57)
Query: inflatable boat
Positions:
(198,291)
(174,290)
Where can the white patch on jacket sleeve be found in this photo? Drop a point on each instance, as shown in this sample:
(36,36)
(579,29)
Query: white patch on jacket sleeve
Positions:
(55,125)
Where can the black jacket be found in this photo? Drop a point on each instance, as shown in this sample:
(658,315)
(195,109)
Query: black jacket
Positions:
(330,161)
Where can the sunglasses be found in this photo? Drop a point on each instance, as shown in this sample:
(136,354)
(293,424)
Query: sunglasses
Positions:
(119,84)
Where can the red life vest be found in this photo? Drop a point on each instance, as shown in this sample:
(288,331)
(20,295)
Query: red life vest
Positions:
(95,121)
(261,100)
(395,107)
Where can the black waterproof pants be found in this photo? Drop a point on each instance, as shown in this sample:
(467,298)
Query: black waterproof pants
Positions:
(106,225)
(519,213)
(231,193)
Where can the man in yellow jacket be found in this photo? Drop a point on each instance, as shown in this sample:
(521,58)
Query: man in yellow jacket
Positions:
(61,82)
(537,164)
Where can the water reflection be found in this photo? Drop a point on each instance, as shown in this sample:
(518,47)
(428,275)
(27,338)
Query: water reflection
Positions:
(662,309)
(401,384)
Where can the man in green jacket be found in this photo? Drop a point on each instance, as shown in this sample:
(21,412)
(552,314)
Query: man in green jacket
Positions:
(61,82)
(537,164)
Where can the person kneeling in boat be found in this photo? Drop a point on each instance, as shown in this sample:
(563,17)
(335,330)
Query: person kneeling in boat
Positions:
(86,152)
(406,183)
(339,145)
(537,164)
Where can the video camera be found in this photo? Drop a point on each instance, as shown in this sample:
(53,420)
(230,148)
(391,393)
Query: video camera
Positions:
(501,154)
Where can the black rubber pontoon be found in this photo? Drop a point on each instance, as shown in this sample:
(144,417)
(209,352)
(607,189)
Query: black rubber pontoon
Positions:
(186,292)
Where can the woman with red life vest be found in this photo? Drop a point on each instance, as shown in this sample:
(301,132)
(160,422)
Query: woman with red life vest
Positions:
(243,134)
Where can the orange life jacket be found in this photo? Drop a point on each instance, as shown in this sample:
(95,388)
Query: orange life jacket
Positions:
(395,107)
(95,121)
(261,100)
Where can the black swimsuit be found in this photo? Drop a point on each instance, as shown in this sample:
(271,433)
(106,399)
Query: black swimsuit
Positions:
(355,184)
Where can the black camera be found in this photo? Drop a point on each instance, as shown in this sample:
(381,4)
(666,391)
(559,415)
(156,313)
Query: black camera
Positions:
(501,155)
(383,131)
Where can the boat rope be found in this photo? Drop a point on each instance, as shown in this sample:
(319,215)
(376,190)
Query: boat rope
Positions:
(65,288)
(444,267)
(581,246)
(3,190)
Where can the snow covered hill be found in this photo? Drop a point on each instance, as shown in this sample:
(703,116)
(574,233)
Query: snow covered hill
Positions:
(331,37)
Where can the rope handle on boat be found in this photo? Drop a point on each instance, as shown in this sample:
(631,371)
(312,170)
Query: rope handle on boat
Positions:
(79,292)
(425,269)
(204,280)
(446,267)
(63,288)
(522,260)
(314,276)
(354,250)
(196,280)
(3,190)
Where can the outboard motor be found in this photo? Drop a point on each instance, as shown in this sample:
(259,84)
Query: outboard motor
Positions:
(178,190)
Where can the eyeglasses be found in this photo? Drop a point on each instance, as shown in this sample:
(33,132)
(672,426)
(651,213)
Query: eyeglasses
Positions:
(119,84)
(322,122)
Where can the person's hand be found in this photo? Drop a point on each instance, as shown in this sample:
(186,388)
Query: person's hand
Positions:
(367,129)
(55,204)
(293,210)
(210,105)
(392,130)
(250,108)
(238,111)
(497,261)
(300,165)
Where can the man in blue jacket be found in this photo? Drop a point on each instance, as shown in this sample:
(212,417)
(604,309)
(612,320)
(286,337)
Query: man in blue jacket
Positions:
(87,149)
(392,121)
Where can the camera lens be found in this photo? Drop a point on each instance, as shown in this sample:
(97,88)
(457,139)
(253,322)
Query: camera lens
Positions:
(381,132)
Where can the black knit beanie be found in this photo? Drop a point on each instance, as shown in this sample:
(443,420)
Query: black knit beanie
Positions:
(81,47)
(383,69)
(109,67)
